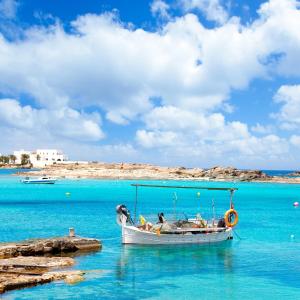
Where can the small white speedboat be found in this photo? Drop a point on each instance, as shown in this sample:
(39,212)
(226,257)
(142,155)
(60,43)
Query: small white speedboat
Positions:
(40,180)
(188,231)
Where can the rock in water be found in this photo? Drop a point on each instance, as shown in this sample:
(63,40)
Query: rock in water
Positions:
(74,278)
(22,264)
(48,246)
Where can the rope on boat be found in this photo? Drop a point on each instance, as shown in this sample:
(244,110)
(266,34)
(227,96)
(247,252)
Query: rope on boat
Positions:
(237,235)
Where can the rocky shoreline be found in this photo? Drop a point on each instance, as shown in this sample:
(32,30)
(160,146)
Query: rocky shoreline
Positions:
(295,174)
(39,261)
(152,172)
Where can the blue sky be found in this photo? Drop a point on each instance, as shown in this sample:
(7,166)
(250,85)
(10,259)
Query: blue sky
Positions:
(183,82)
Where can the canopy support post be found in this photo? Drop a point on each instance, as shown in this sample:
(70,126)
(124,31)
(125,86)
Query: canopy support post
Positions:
(135,205)
(231,197)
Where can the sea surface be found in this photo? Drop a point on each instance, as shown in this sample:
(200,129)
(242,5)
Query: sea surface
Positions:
(284,173)
(4,172)
(264,263)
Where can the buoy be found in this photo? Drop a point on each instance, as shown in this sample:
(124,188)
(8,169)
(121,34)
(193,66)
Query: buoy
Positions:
(198,194)
(292,236)
(296,203)
(68,194)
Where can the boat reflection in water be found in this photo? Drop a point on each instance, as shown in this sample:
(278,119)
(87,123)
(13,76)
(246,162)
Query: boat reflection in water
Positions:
(150,263)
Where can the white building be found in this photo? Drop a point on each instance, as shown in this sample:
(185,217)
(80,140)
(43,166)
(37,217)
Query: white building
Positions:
(18,154)
(42,157)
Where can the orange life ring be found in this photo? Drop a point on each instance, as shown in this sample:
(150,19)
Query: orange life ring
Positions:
(228,216)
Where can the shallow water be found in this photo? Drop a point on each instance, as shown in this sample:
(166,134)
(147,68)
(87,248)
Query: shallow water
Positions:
(265,264)
(11,171)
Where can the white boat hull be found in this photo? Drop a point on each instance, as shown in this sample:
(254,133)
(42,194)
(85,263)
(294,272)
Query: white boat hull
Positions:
(41,180)
(52,181)
(133,235)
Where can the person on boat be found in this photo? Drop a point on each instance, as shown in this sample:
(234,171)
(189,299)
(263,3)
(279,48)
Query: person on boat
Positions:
(221,223)
(122,210)
(161,218)
(145,225)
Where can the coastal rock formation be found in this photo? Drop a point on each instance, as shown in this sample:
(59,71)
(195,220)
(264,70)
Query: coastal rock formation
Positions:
(20,272)
(48,246)
(147,171)
(23,264)
(26,263)
(235,174)
(295,174)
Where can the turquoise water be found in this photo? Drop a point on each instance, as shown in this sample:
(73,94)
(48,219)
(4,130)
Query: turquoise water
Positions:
(265,264)
(4,172)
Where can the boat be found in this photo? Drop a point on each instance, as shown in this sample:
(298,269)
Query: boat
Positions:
(180,231)
(40,180)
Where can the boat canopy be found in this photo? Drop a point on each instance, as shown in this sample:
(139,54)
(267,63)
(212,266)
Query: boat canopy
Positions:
(137,185)
(185,187)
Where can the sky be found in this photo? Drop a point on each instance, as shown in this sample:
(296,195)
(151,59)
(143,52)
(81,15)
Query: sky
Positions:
(193,83)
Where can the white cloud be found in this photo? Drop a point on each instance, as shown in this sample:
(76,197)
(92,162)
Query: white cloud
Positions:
(160,8)
(19,139)
(261,129)
(156,139)
(8,9)
(109,153)
(282,45)
(118,69)
(211,127)
(185,135)
(289,114)
(212,9)
(295,140)
(136,64)
(106,65)
(64,122)
(173,118)
(241,152)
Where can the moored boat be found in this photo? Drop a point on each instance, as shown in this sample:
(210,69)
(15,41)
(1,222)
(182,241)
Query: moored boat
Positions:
(40,180)
(186,231)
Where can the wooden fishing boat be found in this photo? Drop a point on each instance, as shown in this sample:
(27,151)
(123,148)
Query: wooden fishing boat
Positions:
(187,231)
